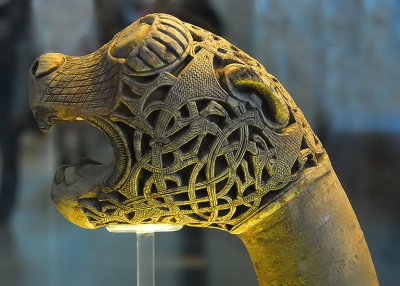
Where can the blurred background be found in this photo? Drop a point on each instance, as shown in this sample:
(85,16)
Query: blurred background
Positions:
(338,59)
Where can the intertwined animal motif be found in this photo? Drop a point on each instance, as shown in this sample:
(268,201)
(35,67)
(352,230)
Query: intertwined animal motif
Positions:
(202,134)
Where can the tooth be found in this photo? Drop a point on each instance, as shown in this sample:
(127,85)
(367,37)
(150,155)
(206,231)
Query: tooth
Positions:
(71,175)
(59,177)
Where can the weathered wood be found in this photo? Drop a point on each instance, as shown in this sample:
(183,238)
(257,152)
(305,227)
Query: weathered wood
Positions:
(203,136)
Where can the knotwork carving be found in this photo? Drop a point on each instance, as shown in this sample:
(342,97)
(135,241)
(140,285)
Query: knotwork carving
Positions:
(202,134)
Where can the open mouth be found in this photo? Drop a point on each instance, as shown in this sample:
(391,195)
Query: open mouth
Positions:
(122,156)
(76,187)
(80,177)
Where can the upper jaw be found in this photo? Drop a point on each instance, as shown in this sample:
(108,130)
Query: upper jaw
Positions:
(48,115)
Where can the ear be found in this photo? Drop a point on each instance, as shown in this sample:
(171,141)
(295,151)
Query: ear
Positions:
(154,43)
(244,79)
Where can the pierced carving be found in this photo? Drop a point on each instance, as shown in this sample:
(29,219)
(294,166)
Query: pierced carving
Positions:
(203,135)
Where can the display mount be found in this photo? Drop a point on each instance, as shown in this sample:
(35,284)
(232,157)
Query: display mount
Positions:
(145,273)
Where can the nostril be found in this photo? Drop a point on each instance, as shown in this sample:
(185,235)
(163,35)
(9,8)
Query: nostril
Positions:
(34,67)
(46,64)
(149,19)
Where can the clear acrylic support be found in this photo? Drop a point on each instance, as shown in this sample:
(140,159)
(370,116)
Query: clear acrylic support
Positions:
(144,247)
(145,259)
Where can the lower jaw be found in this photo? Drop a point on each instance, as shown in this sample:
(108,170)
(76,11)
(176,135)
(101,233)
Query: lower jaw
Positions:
(93,177)
(73,212)
(87,181)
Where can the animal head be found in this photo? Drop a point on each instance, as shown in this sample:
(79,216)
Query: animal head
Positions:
(202,134)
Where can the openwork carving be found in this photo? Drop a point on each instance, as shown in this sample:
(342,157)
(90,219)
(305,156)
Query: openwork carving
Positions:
(202,134)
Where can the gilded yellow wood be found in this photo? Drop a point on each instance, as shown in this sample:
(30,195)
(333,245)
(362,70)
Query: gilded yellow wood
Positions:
(203,136)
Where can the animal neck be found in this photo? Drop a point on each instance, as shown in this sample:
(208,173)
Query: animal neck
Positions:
(309,236)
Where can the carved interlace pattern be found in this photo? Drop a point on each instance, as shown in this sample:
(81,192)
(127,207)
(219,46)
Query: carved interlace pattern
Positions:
(203,152)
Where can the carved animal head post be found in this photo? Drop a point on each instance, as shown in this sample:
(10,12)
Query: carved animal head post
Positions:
(202,134)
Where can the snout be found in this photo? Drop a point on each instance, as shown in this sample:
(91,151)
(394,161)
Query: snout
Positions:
(46,64)
(39,80)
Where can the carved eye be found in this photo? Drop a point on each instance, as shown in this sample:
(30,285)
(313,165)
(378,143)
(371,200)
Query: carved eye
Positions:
(272,107)
(154,43)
